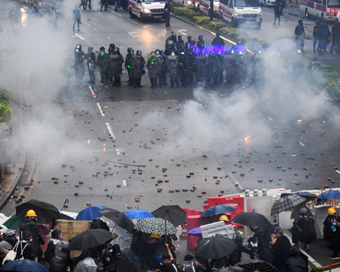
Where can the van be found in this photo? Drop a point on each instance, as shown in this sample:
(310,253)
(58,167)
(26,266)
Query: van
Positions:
(241,11)
(146,9)
(204,6)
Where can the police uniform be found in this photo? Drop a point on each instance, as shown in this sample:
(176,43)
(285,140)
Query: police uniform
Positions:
(102,62)
(128,58)
(169,46)
(191,67)
(79,66)
(115,67)
(91,66)
(153,70)
(137,69)
(335,37)
(182,70)
(172,66)
(202,68)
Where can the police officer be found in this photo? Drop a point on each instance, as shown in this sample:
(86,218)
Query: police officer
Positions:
(218,41)
(316,35)
(128,58)
(102,62)
(300,36)
(191,66)
(111,47)
(115,66)
(169,46)
(183,69)
(79,66)
(325,35)
(104,4)
(161,67)
(179,45)
(153,71)
(167,10)
(109,53)
(188,44)
(335,37)
(137,68)
(202,66)
(172,67)
(200,43)
(91,64)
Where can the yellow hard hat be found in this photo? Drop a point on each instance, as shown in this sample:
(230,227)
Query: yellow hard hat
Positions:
(331,210)
(31,213)
(224,218)
(154,235)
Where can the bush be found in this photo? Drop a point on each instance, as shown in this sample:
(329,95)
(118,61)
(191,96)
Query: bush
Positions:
(5,111)
(4,96)
(188,13)
(216,24)
(202,19)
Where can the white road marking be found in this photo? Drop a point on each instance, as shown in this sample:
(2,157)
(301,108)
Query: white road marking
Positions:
(118,151)
(116,13)
(86,23)
(100,109)
(182,31)
(124,183)
(108,38)
(270,119)
(93,94)
(110,130)
(132,21)
(165,92)
(95,28)
(76,35)
(132,34)
(301,144)
(337,171)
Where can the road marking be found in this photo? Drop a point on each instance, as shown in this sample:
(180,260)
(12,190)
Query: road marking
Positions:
(124,183)
(76,35)
(301,144)
(95,28)
(132,34)
(182,31)
(116,13)
(108,38)
(165,92)
(132,21)
(270,119)
(93,94)
(337,171)
(86,23)
(110,130)
(100,109)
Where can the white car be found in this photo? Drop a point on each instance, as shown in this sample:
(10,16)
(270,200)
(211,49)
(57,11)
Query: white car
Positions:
(337,19)
(268,3)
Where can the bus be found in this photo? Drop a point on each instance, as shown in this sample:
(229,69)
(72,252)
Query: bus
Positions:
(323,9)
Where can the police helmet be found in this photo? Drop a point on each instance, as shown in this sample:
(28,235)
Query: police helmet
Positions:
(139,53)
(179,38)
(130,50)
(102,48)
(157,52)
(112,45)
(200,37)
(189,38)
(90,49)
(55,234)
(303,211)
(218,34)
(116,50)
(78,47)
(152,53)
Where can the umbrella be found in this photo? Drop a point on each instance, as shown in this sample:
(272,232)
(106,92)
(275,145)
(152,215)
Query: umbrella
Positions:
(173,213)
(119,218)
(155,225)
(24,265)
(252,265)
(45,212)
(120,266)
(252,219)
(195,232)
(296,215)
(90,238)
(308,196)
(215,247)
(13,222)
(218,209)
(328,195)
(287,203)
(138,214)
(90,213)
(86,265)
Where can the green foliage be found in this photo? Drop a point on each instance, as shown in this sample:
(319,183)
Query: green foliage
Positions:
(216,24)
(202,19)
(187,13)
(5,111)
(4,96)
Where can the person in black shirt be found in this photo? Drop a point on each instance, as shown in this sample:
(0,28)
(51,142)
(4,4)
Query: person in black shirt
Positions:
(300,36)
(281,247)
(25,249)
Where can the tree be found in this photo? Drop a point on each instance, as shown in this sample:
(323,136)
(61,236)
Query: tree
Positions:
(5,111)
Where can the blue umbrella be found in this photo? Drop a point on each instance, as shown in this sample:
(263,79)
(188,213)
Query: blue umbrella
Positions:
(138,214)
(90,213)
(24,265)
(328,195)
(218,209)
(195,232)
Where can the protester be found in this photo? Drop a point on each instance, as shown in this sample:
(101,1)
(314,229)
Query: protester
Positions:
(295,263)
(25,249)
(61,261)
(281,247)
(303,230)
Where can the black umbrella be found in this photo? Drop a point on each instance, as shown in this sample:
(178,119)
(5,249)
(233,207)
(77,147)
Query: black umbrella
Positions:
(119,218)
(253,265)
(90,238)
(173,213)
(215,247)
(45,212)
(120,266)
(252,219)
(308,196)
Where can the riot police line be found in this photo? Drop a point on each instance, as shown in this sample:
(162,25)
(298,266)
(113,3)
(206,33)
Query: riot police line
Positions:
(182,63)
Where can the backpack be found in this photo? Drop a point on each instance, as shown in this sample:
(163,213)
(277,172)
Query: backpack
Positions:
(189,266)
(308,233)
(235,257)
(58,262)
